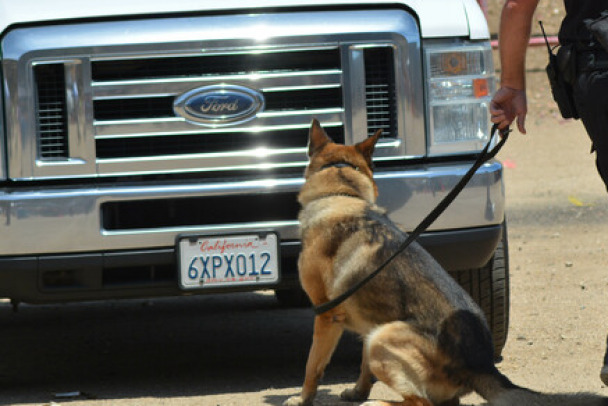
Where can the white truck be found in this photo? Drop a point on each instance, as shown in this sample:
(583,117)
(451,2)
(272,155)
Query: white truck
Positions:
(156,148)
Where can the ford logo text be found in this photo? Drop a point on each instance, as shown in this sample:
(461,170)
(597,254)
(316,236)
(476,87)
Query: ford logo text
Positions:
(219,105)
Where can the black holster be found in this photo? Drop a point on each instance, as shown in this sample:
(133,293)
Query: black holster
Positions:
(561,72)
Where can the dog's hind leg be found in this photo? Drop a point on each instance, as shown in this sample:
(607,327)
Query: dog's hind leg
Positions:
(364,383)
(409,363)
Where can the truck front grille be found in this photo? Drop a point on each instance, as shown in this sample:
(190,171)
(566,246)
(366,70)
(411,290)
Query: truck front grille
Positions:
(296,87)
(109,105)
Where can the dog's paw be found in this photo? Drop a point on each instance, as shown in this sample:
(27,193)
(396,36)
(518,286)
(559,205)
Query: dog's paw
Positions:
(296,401)
(354,395)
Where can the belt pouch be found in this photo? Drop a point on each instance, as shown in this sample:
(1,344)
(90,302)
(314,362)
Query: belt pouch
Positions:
(599,29)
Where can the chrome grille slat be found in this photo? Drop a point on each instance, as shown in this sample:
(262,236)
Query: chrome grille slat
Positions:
(286,101)
(275,147)
(278,60)
(174,126)
(176,86)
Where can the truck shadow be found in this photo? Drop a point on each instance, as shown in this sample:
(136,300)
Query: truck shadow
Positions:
(165,348)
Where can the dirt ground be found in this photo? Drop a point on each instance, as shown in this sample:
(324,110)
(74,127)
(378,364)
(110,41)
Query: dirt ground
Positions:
(244,350)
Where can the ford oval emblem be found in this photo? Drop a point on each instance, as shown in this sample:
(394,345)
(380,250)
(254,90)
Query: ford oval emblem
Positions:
(219,104)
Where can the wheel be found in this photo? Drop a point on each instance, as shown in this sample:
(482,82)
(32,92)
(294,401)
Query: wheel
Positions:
(293,297)
(489,287)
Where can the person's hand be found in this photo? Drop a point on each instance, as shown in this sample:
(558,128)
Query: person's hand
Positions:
(507,105)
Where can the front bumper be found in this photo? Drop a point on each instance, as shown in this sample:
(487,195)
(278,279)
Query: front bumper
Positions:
(58,244)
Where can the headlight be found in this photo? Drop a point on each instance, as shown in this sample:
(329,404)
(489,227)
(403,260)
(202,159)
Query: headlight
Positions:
(459,88)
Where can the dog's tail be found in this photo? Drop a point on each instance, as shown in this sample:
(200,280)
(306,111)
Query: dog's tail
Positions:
(498,390)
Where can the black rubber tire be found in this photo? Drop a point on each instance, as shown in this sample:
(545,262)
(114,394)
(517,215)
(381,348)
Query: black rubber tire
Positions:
(294,297)
(489,287)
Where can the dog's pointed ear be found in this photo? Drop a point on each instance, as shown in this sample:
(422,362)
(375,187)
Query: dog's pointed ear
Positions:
(367,146)
(317,137)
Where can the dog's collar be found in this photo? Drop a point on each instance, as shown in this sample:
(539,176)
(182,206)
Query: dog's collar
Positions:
(339,165)
(340,195)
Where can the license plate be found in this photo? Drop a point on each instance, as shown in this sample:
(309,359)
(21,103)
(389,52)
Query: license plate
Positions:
(228,261)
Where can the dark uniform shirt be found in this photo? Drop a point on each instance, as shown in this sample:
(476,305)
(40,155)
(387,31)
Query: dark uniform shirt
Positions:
(573,27)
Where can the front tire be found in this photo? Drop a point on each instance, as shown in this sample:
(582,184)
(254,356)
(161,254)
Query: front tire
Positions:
(489,287)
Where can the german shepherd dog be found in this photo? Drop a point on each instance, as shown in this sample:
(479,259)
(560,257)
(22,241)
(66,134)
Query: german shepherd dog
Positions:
(423,334)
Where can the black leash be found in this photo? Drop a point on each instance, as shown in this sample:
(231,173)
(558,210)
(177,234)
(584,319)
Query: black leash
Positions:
(485,155)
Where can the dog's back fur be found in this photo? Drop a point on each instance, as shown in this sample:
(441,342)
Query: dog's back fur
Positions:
(424,335)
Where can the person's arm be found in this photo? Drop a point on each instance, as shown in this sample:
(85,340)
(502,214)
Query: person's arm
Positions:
(509,102)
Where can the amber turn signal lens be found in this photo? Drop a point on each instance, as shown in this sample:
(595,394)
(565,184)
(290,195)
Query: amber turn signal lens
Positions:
(480,87)
(454,62)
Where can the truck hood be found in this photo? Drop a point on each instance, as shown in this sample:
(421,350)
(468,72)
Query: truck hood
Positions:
(438,18)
